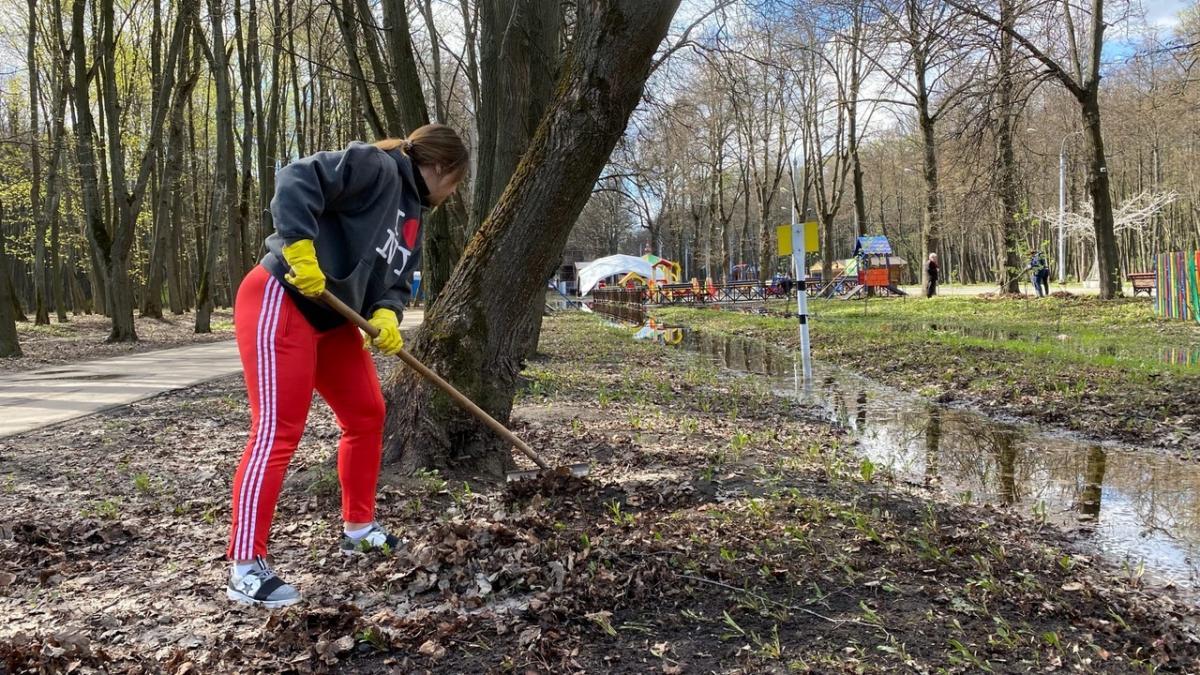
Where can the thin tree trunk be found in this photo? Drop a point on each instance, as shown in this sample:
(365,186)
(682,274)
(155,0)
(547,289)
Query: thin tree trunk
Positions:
(223,215)
(41,311)
(163,250)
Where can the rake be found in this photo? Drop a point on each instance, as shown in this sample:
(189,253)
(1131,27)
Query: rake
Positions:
(577,470)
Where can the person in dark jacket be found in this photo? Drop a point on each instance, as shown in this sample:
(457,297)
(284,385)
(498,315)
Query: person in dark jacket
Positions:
(931,275)
(1040,273)
(348,222)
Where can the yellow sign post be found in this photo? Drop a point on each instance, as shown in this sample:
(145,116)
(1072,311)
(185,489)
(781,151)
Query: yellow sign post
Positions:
(783,238)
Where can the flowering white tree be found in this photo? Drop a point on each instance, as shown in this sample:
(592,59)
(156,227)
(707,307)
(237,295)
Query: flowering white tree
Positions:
(1134,214)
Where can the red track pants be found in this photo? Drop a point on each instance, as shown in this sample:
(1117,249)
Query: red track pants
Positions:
(284,358)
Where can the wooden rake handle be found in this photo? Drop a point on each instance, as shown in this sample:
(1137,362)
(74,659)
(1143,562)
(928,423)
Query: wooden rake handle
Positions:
(411,361)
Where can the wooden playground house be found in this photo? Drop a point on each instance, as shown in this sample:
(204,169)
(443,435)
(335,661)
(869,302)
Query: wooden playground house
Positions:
(874,270)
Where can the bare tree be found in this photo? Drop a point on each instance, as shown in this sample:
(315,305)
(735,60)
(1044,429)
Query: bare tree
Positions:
(1082,80)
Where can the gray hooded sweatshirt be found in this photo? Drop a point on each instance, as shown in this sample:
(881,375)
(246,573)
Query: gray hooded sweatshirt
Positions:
(363,208)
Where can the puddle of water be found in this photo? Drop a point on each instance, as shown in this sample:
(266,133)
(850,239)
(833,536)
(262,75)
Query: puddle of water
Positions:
(1133,505)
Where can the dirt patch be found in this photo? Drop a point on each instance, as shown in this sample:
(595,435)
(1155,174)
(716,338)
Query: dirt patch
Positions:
(723,529)
(82,338)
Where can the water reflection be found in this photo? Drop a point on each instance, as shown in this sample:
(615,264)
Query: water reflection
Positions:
(1132,504)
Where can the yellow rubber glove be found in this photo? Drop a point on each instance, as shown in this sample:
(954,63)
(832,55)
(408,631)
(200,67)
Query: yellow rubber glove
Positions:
(306,274)
(390,341)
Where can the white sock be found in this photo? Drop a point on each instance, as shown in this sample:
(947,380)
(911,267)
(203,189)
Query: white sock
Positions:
(359,533)
(241,570)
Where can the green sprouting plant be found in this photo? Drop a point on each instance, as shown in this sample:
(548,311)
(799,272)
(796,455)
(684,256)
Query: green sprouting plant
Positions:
(737,631)
(758,510)
(576,426)
(109,509)
(430,481)
(690,425)
(585,542)
(209,515)
(372,636)
(1066,562)
(869,615)
(738,443)
(1133,574)
(768,648)
(142,483)
(636,422)
(866,469)
(728,555)
(462,495)
(1051,639)
(605,398)
(965,656)
(324,483)
(602,619)
(1040,512)
(619,517)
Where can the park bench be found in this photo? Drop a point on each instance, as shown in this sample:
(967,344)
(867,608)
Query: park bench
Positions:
(1143,282)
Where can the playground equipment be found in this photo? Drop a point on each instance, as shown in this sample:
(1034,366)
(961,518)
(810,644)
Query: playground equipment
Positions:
(633,271)
(1178,285)
(878,270)
(874,269)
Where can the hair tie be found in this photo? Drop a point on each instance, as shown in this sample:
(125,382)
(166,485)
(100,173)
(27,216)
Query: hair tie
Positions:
(406,146)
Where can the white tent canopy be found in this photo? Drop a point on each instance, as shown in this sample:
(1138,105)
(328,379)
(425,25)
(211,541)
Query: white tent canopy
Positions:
(603,268)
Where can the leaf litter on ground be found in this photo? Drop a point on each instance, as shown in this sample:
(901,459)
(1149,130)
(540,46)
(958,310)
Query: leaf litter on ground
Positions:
(722,529)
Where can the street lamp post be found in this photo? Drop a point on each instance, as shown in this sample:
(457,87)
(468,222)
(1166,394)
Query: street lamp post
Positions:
(1062,207)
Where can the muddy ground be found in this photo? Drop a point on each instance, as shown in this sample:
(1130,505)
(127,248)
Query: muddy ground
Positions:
(82,338)
(722,530)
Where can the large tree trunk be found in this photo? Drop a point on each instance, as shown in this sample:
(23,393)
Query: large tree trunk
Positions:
(1097,184)
(1010,259)
(9,346)
(520,57)
(472,333)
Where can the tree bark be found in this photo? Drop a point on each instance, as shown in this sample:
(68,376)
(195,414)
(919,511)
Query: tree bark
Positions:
(41,311)
(472,333)
(1098,188)
(9,346)
(1010,260)
(163,249)
(223,215)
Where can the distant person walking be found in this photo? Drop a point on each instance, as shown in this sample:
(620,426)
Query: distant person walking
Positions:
(1040,273)
(931,275)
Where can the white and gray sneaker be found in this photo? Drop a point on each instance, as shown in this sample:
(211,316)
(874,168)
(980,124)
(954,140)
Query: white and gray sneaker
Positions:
(260,586)
(375,539)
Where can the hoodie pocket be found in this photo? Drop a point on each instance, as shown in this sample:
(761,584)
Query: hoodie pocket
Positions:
(350,289)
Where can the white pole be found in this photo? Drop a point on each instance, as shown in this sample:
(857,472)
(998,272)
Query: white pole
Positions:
(1062,212)
(798,254)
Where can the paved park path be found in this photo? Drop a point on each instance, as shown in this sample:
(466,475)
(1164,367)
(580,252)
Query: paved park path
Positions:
(38,398)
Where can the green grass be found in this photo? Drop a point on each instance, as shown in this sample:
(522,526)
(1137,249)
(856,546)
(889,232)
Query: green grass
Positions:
(1121,334)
